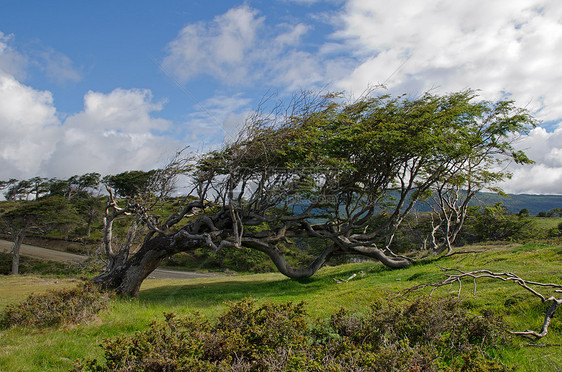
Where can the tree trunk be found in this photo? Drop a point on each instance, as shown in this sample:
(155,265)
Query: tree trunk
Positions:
(126,276)
(20,235)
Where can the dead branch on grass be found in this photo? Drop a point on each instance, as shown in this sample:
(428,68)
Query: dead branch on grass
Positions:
(506,277)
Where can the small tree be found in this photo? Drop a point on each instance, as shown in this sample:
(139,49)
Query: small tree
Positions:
(495,223)
(35,216)
(524,213)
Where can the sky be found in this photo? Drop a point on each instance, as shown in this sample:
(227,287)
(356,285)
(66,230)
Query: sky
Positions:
(109,86)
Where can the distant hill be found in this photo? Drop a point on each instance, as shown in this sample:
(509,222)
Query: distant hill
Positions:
(514,203)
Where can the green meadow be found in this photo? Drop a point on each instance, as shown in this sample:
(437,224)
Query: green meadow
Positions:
(56,349)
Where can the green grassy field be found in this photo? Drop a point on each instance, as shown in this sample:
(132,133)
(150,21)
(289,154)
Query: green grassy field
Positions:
(55,349)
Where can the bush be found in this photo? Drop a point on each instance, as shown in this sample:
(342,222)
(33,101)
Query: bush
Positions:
(424,335)
(493,223)
(55,308)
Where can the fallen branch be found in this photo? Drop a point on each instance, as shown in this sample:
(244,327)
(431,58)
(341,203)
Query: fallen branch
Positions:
(339,281)
(506,277)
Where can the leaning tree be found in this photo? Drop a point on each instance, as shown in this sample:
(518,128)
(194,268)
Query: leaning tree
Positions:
(322,173)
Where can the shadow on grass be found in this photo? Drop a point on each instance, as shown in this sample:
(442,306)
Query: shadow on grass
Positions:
(212,293)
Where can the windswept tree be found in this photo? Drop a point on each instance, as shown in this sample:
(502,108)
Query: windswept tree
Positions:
(131,183)
(334,176)
(17,190)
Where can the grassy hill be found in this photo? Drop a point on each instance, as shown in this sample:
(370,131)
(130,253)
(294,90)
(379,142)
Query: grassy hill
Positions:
(57,348)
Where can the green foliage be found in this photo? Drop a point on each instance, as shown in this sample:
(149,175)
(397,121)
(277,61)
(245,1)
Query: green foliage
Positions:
(554,212)
(523,213)
(493,223)
(55,350)
(42,214)
(129,184)
(424,335)
(55,308)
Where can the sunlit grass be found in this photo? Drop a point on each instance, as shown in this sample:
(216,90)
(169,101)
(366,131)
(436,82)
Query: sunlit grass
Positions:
(56,349)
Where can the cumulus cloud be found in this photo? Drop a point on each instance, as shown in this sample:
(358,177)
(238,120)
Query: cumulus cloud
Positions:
(218,48)
(504,48)
(115,132)
(29,127)
(545,176)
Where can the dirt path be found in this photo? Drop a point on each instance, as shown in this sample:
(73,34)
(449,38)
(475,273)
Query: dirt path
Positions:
(49,254)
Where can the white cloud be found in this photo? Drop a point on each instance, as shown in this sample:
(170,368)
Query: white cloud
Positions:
(29,128)
(293,35)
(219,119)
(11,61)
(499,47)
(218,49)
(505,49)
(58,67)
(115,132)
(239,48)
(545,176)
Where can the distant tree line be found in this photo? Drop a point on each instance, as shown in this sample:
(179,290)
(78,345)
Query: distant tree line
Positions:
(554,212)
(41,205)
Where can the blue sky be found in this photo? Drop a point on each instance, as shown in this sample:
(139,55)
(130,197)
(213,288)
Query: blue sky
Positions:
(109,86)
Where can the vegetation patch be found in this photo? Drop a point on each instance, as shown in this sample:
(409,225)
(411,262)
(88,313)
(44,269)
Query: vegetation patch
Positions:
(423,335)
(56,308)
(42,267)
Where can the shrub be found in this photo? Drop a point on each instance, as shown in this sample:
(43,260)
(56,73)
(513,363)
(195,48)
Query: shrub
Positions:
(55,308)
(423,335)
(493,223)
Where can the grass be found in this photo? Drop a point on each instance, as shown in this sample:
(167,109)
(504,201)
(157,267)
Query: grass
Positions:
(546,222)
(56,349)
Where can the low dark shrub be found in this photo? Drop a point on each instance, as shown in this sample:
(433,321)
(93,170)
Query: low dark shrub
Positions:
(55,308)
(423,336)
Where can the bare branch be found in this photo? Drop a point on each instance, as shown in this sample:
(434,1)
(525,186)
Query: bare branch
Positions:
(506,277)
